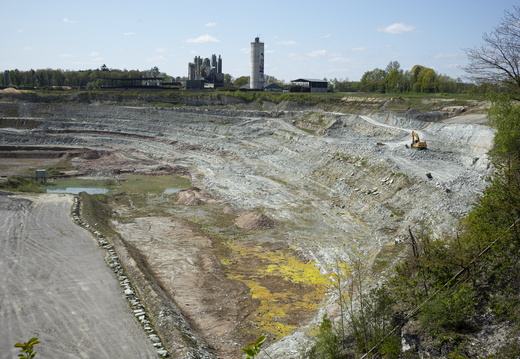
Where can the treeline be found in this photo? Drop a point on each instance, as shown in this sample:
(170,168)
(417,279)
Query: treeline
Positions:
(447,291)
(58,78)
(392,79)
(419,79)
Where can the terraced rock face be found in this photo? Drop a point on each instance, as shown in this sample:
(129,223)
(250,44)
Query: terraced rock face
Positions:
(332,183)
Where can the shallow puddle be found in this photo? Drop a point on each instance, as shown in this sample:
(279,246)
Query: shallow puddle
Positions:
(172,190)
(77,190)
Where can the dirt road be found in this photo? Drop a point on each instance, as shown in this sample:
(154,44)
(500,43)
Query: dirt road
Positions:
(56,286)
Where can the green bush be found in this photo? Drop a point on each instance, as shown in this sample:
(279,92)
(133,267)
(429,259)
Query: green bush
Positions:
(452,311)
(327,344)
(21,184)
(27,348)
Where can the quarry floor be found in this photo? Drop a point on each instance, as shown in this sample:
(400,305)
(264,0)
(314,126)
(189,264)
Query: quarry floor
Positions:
(334,184)
(57,287)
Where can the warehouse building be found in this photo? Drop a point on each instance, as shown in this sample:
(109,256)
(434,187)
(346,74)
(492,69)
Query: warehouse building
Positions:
(309,85)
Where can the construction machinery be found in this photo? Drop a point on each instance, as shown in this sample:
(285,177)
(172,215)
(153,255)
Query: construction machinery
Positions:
(416,142)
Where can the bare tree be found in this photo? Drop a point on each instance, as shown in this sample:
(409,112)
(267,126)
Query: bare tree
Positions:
(498,59)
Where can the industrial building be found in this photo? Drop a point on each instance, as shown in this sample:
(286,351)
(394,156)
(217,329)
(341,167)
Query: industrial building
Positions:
(257,65)
(309,85)
(203,72)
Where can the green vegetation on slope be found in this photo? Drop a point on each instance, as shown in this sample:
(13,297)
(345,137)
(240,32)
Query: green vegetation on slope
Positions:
(21,184)
(449,289)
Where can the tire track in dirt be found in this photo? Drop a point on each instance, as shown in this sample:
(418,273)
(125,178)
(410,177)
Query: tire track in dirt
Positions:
(57,287)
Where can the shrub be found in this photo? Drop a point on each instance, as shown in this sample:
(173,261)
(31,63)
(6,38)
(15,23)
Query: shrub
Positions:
(449,312)
(327,343)
(21,184)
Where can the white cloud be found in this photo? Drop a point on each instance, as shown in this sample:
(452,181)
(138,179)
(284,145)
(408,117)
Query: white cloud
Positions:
(328,36)
(66,55)
(94,53)
(452,66)
(156,59)
(446,56)
(397,28)
(28,48)
(340,59)
(98,59)
(202,39)
(294,56)
(289,42)
(358,49)
(69,21)
(211,24)
(160,50)
(129,33)
(317,53)
(19,31)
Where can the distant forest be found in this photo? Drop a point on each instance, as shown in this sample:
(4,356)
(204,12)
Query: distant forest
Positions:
(392,79)
(102,77)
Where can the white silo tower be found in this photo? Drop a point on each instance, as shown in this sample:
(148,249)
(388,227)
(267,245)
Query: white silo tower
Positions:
(257,65)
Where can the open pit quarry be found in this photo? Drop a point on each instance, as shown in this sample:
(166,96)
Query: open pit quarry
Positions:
(278,196)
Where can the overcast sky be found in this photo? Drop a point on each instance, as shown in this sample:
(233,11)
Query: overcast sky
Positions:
(306,38)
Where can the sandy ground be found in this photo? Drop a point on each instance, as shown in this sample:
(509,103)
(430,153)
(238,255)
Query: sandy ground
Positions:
(183,262)
(57,287)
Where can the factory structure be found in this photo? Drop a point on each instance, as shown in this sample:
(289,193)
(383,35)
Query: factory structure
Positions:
(257,78)
(206,73)
(203,73)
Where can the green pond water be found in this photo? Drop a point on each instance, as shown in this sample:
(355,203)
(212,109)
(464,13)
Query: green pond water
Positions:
(129,183)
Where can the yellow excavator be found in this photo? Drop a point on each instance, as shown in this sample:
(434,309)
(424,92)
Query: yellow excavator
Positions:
(416,142)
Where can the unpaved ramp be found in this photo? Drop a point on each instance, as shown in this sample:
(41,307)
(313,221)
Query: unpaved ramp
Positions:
(56,286)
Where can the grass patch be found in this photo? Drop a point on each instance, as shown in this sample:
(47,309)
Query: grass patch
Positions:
(286,286)
(21,184)
(80,183)
(96,211)
(132,183)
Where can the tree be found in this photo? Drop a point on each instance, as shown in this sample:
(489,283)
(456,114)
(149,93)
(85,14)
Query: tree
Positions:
(340,85)
(373,80)
(241,81)
(328,344)
(504,116)
(395,81)
(272,80)
(498,59)
(228,79)
(423,79)
(427,80)
(392,65)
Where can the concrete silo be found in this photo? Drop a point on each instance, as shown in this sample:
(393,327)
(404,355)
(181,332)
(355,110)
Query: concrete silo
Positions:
(257,65)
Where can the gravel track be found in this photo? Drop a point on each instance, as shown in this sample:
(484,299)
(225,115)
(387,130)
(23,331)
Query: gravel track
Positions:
(56,286)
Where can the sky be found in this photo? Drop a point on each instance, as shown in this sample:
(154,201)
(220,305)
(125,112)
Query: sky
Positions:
(330,39)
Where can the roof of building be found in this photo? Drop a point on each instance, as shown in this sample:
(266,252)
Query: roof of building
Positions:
(308,80)
(266,85)
(271,84)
